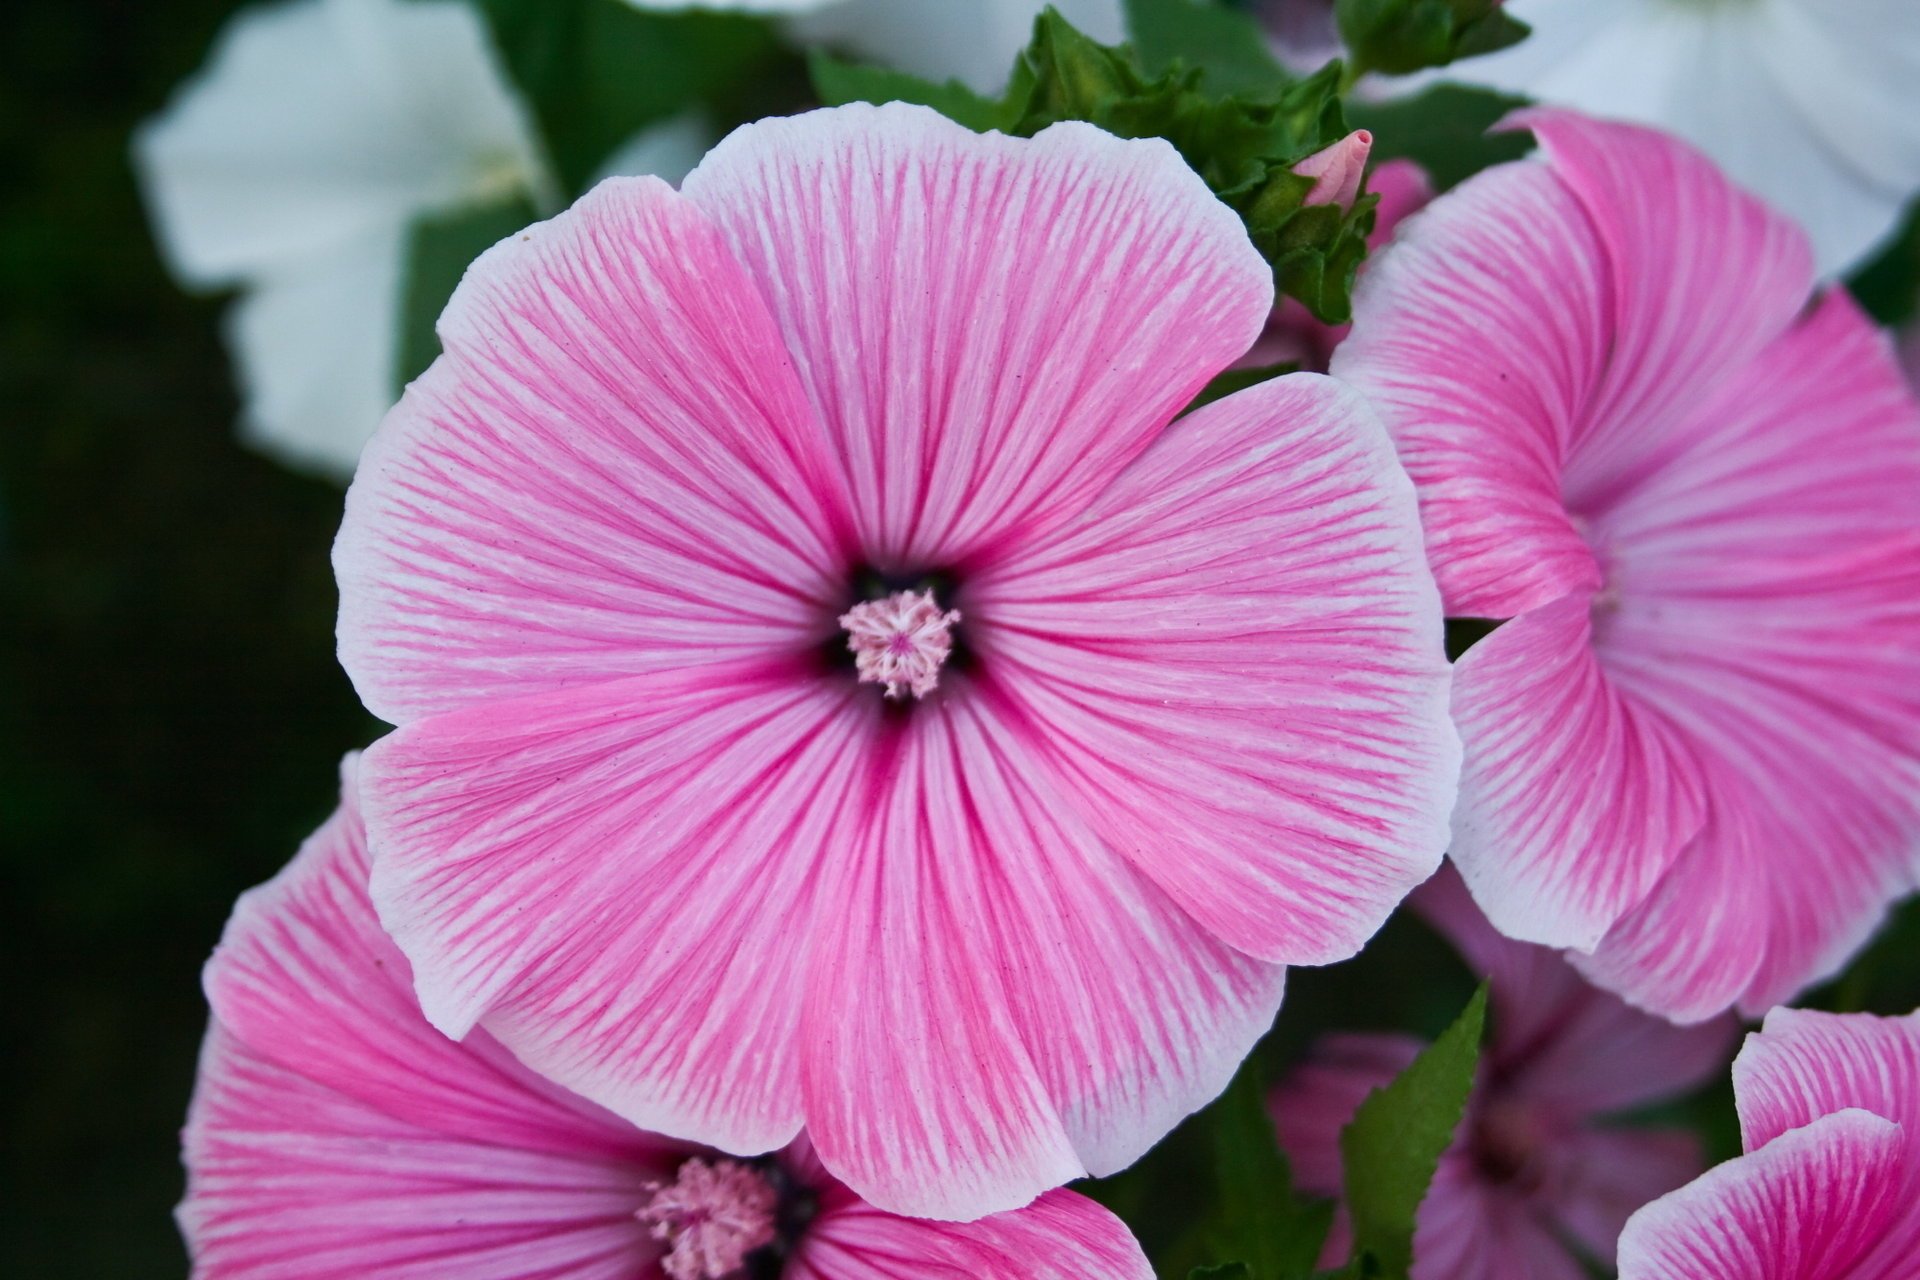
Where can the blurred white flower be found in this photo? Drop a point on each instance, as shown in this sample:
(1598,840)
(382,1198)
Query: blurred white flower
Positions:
(1814,104)
(969,40)
(293,165)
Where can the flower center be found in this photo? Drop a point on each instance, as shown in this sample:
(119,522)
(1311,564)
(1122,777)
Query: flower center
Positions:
(711,1216)
(900,641)
(1507,1138)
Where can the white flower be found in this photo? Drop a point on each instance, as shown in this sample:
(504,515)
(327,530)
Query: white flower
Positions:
(1815,104)
(293,167)
(969,40)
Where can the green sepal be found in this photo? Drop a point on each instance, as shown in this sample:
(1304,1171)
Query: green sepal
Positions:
(1401,36)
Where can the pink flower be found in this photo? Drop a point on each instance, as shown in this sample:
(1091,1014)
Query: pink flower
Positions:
(1536,1173)
(334,1135)
(1830,1186)
(1693,748)
(649,822)
(1293,335)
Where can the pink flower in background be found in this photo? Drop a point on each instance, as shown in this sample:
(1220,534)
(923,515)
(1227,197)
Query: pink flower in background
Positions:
(1536,1175)
(1830,1186)
(1003,900)
(1693,750)
(336,1136)
(1293,335)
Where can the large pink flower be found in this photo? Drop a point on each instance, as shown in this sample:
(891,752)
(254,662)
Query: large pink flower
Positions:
(336,1136)
(1537,1172)
(1693,748)
(1133,715)
(1830,1186)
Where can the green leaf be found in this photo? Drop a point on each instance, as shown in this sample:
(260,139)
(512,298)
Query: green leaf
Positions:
(1888,287)
(1227,45)
(1399,36)
(838,83)
(1394,1142)
(439,251)
(1444,130)
(1256,1220)
(598,71)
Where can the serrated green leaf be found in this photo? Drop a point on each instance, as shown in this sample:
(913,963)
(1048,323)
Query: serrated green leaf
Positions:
(1257,1223)
(598,71)
(1227,45)
(1394,1142)
(838,83)
(1444,130)
(1401,36)
(440,248)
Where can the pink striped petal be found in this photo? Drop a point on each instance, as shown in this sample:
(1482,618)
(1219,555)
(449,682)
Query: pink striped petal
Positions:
(1234,658)
(657,839)
(1601,1177)
(1000,1002)
(1468,1231)
(990,328)
(613,470)
(1060,1236)
(1574,800)
(335,1136)
(1807,1206)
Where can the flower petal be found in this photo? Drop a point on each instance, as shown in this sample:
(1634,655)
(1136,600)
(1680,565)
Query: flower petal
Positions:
(989,327)
(618,882)
(611,471)
(1574,799)
(1320,1095)
(1232,663)
(1060,1236)
(1804,1064)
(316,349)
(1007,1000)
(1806,1206)
(335,1134)
(320,123)
(1602,1177)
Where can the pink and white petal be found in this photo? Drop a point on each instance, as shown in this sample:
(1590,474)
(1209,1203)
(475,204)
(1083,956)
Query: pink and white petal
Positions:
(1008,1003)
(1060,1236)
(989,327)
(612,470)
(1807,1206)
(1135,1016)
(1682,313)
(1804,1064)
(293,1179)
(1404,190)
(1600,1177)
(304,980)
(1232,666)
(618,882)
(1320,1095)
(1479,335)
(1574,798)
(1769,579)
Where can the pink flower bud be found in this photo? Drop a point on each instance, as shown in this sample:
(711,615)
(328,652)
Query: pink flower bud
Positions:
(1336,170)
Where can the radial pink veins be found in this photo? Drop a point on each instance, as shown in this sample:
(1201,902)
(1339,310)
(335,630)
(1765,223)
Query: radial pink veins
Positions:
(711,1216)
(901,641)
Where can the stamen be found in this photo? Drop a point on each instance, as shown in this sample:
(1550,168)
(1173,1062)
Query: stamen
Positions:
(901,641)
(712,1215)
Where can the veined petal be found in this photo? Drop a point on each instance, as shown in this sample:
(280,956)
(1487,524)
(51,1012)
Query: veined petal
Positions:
(1232,662)
(1060,1236)
(1574,799)
(989,327)
(619,882)
(994,954)
(316,347)
(319,123)
(335,1135)
(1807,1206)
(612,470)
(1804,1064)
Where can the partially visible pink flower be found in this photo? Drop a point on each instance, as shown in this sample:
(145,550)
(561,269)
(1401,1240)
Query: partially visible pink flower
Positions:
(1538,1171)
(614,564)
(334,1135)
(1692,491)
(1830,1186)
(1293,335)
